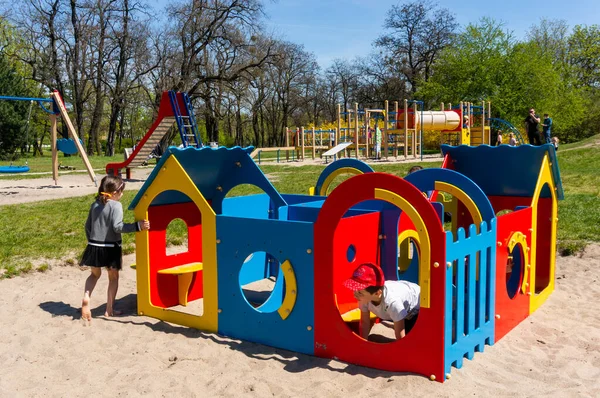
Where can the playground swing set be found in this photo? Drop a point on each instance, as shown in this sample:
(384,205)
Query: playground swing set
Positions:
(70,146)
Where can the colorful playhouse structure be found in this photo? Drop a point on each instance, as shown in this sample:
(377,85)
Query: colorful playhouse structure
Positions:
(480,275)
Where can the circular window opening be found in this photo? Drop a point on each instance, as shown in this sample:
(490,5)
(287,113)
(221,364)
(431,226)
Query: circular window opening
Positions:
(351,253)
(261,282)
(514,270)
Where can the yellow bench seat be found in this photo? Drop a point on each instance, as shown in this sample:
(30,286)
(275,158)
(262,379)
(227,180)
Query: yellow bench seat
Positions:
(185,274)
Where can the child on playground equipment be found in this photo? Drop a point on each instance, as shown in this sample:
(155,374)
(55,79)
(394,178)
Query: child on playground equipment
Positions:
(511,139)
(396,301)
(555,143)
(377,143)
(499,138)
(103,230)
(415,168)
(547,128)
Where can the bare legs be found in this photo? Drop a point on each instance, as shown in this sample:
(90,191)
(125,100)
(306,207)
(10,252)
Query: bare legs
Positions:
(113,286)
(90,284)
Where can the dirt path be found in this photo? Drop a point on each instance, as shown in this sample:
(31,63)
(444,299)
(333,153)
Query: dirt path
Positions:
(69,185)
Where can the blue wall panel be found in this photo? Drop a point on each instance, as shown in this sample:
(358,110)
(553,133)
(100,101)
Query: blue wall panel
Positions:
(284,240)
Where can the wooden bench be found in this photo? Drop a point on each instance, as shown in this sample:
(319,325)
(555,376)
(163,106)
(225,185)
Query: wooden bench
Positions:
(185,273)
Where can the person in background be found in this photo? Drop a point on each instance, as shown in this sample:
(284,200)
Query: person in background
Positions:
(555,143)
(511,139)
(547,128)
(377,143)
(499,138)
(531,122)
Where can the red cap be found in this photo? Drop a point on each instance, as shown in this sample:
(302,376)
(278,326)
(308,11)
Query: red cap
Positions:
(365,275)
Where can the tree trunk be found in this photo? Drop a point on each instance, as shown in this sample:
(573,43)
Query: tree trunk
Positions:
(99,86)
(239,131)
(211,122)
(55,67)
(256,128)
(76,68)
(118,102)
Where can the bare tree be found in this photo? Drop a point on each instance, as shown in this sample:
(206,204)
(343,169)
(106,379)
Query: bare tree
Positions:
(344,75)
(288,76)
(131,59)
(102,11)
(418,31)
(216,47)
(41,22)
(552,36)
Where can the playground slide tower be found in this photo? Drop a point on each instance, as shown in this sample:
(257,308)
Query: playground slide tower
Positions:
(174,108)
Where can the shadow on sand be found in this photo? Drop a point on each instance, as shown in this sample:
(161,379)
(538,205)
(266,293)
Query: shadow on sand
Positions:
(293,362)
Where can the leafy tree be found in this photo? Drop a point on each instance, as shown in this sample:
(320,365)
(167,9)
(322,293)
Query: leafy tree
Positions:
(12,113)
(486,63)
(473,67)
(584,54)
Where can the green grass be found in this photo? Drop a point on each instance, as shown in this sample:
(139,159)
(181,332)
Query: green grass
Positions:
(579,213)
(595,139)
(47,230)
(54,229)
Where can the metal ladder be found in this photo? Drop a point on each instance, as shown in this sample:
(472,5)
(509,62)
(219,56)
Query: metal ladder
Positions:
(500,124)
(186,124)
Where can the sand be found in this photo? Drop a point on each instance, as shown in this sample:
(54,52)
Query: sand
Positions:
(46,350)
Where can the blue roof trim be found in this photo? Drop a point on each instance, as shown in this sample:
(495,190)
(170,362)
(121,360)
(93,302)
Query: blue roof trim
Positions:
(192,159)
(504,170)
(339,164)
(425,180)
(560,193)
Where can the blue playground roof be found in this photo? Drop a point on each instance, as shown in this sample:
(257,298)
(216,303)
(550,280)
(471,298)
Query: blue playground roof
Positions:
(505,170)
(207,168)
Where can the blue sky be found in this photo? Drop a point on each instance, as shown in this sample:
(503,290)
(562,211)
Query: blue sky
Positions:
(347,28)
(344,29)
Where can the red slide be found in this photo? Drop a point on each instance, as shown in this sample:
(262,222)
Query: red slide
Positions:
(164,121)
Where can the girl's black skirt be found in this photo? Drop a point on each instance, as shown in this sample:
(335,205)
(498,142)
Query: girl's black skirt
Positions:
(103,254)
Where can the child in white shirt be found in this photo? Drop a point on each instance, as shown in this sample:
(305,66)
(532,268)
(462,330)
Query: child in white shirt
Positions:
(396,301)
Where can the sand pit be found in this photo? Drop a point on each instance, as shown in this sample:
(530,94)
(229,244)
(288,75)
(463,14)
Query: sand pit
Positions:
(46,350)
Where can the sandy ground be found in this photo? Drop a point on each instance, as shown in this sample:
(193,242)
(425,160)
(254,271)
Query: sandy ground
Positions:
(46,350)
